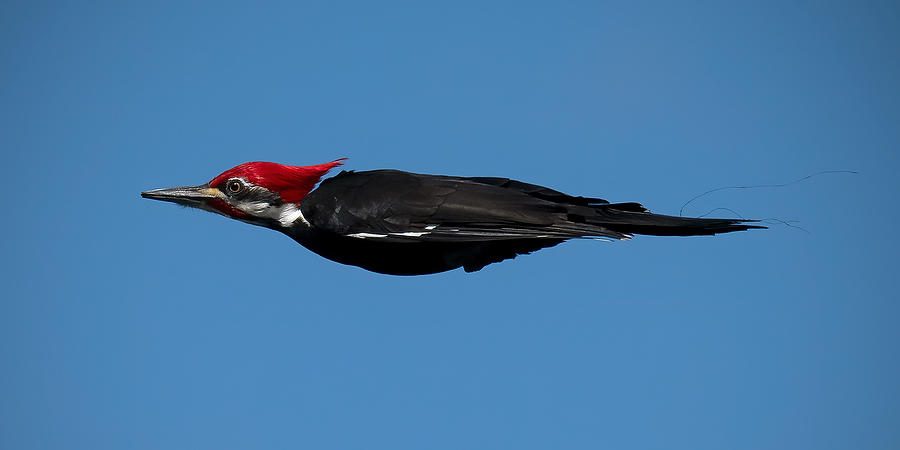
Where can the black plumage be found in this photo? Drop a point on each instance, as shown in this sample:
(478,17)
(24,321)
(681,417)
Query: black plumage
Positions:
(402,223)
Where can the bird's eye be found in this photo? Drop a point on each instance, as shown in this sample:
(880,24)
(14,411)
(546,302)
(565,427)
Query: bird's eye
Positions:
(234,186)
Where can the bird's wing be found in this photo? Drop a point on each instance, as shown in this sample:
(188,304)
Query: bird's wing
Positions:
(405,207)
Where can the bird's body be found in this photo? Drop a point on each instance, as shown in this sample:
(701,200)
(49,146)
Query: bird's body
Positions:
(402,223)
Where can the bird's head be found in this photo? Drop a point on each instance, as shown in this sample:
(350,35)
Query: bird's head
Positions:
(260,193)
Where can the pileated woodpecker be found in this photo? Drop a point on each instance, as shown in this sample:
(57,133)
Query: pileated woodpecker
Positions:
(403,223)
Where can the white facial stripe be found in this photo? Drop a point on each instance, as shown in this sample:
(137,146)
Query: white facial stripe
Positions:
(255,208)
(290,213)
(286,214)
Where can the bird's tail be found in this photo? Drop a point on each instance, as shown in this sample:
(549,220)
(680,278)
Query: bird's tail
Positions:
(633,218)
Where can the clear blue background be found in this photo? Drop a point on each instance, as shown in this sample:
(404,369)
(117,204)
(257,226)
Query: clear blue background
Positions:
(132,324)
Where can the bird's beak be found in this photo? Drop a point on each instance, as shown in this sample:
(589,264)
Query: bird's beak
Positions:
(194,196)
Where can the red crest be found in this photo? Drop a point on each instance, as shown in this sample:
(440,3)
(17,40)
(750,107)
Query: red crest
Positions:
(291,182)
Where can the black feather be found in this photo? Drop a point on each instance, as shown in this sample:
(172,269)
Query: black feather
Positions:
(408,224)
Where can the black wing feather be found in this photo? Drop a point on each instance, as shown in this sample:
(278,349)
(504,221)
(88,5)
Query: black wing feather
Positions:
(407,206)
(403,223)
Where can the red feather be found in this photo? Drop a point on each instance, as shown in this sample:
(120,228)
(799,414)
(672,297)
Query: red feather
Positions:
(291,182)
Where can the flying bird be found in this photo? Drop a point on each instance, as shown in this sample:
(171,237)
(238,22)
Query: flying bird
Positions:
(402,223)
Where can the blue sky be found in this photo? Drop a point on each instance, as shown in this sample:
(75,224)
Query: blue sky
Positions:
(132,324)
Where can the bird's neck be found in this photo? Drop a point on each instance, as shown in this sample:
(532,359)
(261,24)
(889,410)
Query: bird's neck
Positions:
(283,216)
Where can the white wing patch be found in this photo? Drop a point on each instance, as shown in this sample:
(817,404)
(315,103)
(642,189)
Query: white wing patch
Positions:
(398,233)
(367,235)
(411,233)
(475,234)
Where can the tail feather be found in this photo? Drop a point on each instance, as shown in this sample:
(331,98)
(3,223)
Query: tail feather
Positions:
(633,218)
